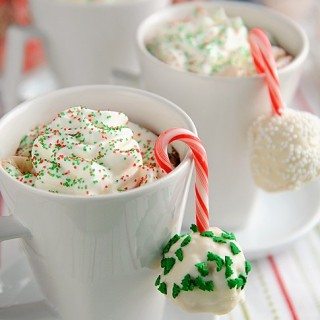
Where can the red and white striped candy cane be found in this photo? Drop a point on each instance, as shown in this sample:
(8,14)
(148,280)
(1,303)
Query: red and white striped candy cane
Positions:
(264,61)
(201,166)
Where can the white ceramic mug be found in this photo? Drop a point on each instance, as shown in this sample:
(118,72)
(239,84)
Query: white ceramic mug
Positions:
(223,108)
(84,42)
(93,257)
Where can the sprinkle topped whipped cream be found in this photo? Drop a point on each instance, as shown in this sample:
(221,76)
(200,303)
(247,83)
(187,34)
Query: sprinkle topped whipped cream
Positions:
(86,152)
(207,42)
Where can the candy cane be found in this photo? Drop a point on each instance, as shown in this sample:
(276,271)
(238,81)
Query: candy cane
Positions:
(201,166)
(264,61)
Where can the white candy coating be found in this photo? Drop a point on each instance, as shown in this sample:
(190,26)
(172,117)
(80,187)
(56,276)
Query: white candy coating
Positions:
(285,150)
(222,299)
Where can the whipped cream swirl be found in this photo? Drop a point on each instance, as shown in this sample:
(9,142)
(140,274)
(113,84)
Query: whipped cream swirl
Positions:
(208,42)
(88,152)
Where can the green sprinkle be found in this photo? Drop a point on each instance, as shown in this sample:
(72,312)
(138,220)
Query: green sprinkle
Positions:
(234,249)
(228,235)
(244,279)
(232,283)
(237,282)
(228,263)
(209,285)
(187,283)
(218,239)
(247,266)
(157,281)
(175,290)
(167,264)
(163,288)
(204,285)
(202,268)
(208,234)
(170,243)
(200,283)
(186,241)
(218,260)
(179,254)
(194,228)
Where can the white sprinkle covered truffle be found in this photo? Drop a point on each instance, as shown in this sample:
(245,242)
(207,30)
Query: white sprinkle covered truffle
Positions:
(285,150)
(204,272)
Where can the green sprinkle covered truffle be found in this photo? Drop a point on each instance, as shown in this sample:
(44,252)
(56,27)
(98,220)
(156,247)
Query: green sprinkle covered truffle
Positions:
(204,272)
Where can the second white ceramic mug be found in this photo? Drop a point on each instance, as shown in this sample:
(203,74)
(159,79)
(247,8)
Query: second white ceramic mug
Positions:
(84,42)
(94,256)
(223,108)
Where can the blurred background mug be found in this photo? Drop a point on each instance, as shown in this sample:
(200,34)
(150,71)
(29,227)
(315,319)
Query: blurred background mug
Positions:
(84,42)
(223,108)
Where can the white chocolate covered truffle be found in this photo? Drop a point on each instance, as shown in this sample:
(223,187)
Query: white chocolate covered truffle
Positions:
(285,150)
(204,272)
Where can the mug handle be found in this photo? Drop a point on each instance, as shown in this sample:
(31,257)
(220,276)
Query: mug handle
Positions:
(16,39)
(11,228)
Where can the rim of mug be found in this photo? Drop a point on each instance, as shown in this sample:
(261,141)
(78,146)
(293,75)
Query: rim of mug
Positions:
(142,33)
(110,196)
(86,5)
